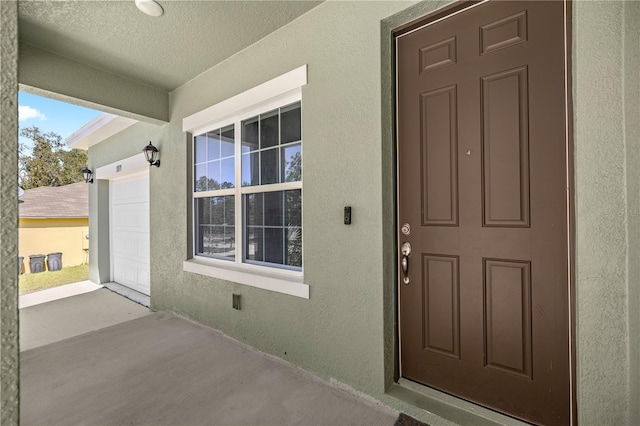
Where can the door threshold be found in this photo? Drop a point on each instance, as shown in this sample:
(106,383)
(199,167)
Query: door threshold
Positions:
(447,408)
(129,293)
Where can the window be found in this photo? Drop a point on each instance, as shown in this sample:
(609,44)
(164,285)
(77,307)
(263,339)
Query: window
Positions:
(267,202)
(247,187)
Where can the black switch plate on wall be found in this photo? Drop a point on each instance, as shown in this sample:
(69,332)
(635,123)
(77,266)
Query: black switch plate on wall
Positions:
(347,215)
(236,301)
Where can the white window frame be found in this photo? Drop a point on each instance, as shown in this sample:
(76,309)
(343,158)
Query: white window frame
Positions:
(278,92)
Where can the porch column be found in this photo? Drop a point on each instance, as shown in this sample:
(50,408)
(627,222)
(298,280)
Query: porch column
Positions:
(9,351)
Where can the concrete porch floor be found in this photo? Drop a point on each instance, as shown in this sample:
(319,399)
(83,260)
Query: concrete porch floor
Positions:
(100,359)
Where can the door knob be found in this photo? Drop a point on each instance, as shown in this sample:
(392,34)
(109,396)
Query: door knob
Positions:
(405,249)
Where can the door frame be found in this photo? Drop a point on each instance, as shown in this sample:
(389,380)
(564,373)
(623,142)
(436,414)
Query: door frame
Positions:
(409,20)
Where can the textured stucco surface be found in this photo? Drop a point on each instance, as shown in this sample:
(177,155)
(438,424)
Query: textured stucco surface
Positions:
(601,222)
(632,139)
(99,260)
(389,243)
(43,72)
(345,330)
(164,52)
(9,367)
(338,332)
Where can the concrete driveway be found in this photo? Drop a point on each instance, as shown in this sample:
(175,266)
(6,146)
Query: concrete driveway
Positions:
(100,359)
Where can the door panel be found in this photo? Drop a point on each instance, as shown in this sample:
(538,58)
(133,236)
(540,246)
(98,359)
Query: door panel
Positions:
(130,239)
(439,147)
(441,321)
(482,182)
(505,148)
(507,320)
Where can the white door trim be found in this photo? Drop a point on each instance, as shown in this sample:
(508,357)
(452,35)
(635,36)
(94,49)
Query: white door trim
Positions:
(121,168)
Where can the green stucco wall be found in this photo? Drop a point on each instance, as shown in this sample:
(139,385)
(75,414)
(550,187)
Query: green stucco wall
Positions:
(99,247)
(9,354)
(346,329)
(339,331)
(602,219)
(48,74)
(632,141)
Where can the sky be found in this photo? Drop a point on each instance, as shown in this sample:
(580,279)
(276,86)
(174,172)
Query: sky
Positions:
(51,116)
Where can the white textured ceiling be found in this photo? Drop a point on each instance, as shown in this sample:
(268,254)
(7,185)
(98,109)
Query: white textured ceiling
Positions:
(164,52)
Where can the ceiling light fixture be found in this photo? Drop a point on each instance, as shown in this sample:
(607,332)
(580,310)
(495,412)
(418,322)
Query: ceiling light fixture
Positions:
(149,7)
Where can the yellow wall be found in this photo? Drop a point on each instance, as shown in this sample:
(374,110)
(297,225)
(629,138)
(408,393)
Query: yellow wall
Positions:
(44,236)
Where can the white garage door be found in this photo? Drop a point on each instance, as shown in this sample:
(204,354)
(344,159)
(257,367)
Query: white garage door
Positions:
(130,232)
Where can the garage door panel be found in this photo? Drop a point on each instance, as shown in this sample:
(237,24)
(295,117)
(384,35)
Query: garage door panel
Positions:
(130,239)
(133,217)
(132,274)
(131,245)
(131,191)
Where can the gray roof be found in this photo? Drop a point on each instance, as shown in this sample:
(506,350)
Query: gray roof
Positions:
(68,201)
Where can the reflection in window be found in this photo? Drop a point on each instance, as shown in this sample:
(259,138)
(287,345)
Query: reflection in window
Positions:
(273,225)
(214,159)
(215,231)
(270,146)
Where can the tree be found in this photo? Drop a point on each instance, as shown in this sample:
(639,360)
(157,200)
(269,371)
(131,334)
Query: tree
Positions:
(294,168)
(49,163)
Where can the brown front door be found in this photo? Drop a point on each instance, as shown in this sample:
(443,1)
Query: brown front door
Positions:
(482,170)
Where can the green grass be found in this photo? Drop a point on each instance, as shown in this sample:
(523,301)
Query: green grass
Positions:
(48,279)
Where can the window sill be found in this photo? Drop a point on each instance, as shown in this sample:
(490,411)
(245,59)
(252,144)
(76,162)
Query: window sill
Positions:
(280,282)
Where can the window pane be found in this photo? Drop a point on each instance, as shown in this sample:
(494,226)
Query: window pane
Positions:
(273,208)
(269,237)
(214,226)
(203,211)
(251,169)
(217,210)
(269,166)
(213,145)
(254,211)
(217,240)
(290,124)
(273,245)
(227,142)
(271,153)
(254,244)
(229,210)
(291,163)
(269,129)
(228,173)
(200,149)
(293,208)
(213,173)
(230,242)
(250,135)
(294,246)
(201,181)
(202,239)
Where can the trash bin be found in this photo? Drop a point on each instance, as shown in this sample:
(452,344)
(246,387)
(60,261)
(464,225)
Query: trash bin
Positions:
(20,265)
(54,261)
(36,263)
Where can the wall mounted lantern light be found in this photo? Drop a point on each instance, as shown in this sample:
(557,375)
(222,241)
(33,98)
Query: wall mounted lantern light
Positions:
(151,154)
(87,175)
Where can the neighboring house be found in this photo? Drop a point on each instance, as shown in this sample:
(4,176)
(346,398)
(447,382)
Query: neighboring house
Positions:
(511,168)
(55,219)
